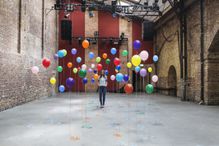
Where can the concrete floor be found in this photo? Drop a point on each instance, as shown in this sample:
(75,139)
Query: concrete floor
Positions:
(135,120)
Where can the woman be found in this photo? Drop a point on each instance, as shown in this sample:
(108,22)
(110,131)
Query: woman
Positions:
(102,83)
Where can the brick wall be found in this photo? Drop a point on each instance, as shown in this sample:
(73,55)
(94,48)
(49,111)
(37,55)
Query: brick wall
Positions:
(17,84)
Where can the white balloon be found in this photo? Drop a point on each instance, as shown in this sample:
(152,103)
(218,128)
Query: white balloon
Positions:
(154,78)
(144,55)
(92,65)
(35,69)
(84,66)
(112,77)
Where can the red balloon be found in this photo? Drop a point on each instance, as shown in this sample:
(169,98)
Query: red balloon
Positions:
(128,88)
(46,62)
(99,67)
(116,61)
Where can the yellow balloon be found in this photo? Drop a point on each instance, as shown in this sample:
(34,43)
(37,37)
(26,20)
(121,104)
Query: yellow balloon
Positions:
(129,65)
(150,69)
(52,80)
(136,60)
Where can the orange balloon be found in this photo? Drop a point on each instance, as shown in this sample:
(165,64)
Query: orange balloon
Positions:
(85,44)
(104,55)
(96,76)
(69,65)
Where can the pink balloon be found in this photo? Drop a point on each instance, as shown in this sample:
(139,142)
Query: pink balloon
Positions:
(35,69)
(112,77)
(154,78)
(84,66)
(144,55)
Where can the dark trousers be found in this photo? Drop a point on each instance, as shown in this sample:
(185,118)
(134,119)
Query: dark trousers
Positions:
(102,95)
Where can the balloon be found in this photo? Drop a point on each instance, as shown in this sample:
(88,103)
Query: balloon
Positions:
(106,72)
(56,56)
(137,44)
(99,67)
(136,60)
(107,61)
(82,73)
(84,67)
(69,65)
(119,77)
(118,67)
(137,69)
(149,88)
(126,77)
(85,44)
(141,65)
(59,68)
(128,88)
(91,55)
(150,69)
(61,54)
(116,61)
(113,51)
(78,59)
(104,56)
(35,69)
(92,65)
(144,55)
(95,71)
(70,82)
(129,65)
(85,80)
(46,62)
(98,59)
(112,77)
(143,72)
(96,76)
(92,80)
(90,70)
(61,88)
(52,80)
(155,58)
(73,51)
(65,52)
(124,53)
(75,70)
(154,78)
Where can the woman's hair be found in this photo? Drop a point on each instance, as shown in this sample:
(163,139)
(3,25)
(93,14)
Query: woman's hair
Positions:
(102,74)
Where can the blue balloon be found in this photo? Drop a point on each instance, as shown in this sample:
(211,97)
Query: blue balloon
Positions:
(137,44)
(113,51)
(155,58)
(61,88)
(92,80)
(70,82)
(106,72)
(61,54)
(95,71)
(91,55)
(73,51)
(119,77)
(118,67)
(78,59)
(126,77)
(85,80)
(137,69)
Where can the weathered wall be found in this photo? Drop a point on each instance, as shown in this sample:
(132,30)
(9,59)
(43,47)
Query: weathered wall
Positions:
(17,55)
(169,52)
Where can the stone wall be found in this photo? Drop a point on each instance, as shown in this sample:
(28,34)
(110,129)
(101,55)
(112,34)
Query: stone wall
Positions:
(21,48)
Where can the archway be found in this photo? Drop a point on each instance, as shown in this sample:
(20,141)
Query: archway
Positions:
(172,82)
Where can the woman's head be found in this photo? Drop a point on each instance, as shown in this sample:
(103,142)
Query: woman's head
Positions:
(102,72)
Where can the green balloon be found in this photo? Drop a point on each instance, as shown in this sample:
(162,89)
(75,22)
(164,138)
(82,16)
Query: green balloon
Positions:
(82,73)
(124,53)
(98,59)
(59,69)
(107,61)
(65,52)
(149,88)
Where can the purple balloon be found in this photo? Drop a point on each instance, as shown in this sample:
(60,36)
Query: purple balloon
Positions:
(90,70)
(73,51)
(70,82)
(126,77)
(137,44)
(143,72)
(56,56)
